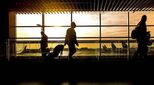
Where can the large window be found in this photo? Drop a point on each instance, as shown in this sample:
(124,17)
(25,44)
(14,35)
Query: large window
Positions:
(100,34)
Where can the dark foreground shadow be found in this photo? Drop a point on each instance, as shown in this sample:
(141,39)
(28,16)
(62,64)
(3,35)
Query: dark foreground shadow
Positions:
(58,72)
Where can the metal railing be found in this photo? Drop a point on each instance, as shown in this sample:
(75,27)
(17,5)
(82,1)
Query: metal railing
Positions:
(30,47)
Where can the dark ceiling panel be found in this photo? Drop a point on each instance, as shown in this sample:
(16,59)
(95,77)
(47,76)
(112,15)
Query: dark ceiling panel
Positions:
(80,5)
(116,5)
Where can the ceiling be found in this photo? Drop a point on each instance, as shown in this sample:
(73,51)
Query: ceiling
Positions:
(80,5)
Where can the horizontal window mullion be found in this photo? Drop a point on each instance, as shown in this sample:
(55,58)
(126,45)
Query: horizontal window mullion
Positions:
(64,37)
(81,26)
(82,41)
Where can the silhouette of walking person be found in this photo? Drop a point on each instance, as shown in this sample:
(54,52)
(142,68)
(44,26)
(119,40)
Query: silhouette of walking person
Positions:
(71,40)
(142,39)
(44,43)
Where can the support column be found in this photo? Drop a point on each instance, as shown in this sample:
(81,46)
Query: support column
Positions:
(12,35)
(4,27)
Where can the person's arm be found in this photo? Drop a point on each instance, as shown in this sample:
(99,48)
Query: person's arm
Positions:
(76,42)
(66,38)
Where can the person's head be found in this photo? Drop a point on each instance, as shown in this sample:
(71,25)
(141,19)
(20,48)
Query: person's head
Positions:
(42,32)
(73,25)
(144,18)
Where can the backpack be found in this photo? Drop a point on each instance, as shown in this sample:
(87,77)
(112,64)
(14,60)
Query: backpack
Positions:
(134,33)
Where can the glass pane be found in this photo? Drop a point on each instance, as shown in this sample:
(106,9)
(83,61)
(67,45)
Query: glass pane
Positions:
(114,18)
(28,19)
(87,31)
(114,32)
(28,32)
(57,19)
(28,49)
(86,18)
(114,47)
(151,29)
(56,31)
(135,17)
(87,50)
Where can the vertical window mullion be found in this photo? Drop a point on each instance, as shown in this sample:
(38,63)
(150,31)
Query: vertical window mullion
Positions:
(100,33)
(128,48)
(71,16)
(43,22)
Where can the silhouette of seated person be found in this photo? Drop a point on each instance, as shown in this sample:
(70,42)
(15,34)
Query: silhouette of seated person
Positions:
(44,44)
(142,39)
(104,48)
(114,48)
(22,50)
(124,46)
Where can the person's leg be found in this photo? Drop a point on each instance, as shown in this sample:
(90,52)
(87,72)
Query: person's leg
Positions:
(144,51)
(72,50)
(136,54)
(141,50)
(43,52)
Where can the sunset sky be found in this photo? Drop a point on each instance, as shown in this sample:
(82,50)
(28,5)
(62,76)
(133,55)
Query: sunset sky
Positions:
(81,19)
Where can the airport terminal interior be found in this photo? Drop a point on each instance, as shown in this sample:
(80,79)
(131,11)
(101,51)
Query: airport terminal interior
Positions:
(103,27)
(103,31)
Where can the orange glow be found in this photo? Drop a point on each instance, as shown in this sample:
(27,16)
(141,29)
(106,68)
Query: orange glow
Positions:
(58,21)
